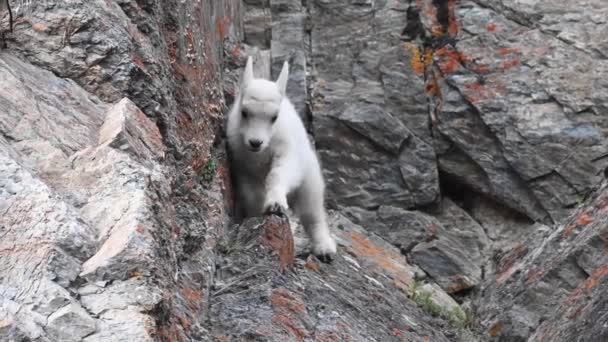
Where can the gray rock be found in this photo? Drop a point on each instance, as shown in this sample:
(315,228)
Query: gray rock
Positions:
(464,229)
(257,23)
(546,287)
(372,122)
(126,128)
(70,323)
(476,159)
(545,131)
(360,174)
(403,228)
(357,68)
(78,194)
(125,224)
(450,247)
(427,115)
(123,325)
(446,262)
(349,299)
(440,298)
(289,43)
(32,279)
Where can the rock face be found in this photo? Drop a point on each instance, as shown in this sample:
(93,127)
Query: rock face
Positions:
(309,300)
(360,75)
(548,289)
(464,146)
(102,103)
(86,206)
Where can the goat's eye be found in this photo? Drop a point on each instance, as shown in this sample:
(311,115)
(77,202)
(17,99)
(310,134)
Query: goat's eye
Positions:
(274,118)
(244,114)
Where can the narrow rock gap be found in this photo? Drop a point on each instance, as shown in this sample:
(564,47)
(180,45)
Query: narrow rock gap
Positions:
(457,191)
(547,217)
(309,68)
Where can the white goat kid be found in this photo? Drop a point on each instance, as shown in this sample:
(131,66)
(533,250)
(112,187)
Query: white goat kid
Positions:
(274,164)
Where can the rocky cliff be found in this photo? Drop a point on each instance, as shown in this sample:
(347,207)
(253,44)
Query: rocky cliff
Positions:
(464,145)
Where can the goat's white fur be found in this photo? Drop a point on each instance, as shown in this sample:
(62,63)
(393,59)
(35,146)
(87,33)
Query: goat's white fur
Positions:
(285,171)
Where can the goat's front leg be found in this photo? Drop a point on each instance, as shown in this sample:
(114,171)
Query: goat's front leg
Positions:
(282,178)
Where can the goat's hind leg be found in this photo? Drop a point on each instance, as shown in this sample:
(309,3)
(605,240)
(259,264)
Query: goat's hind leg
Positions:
(309,207)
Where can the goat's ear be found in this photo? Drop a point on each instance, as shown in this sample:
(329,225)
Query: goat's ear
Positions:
(247,76)
(283,77)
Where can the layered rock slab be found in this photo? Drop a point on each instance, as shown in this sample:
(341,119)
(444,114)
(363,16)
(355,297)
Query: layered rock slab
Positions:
(361,85)
(549,286)
(361,295)
(532,140)
(76,210)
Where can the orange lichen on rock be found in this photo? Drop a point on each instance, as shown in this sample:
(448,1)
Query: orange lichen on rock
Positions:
(287,308)
(184,322)
(453,25)
(491,27)
(222,27)
(432,88)
(450,60)
(385,260)
(39,27)
(533,276)
(569,230)
(279,238)
(193,297)
(419,60)
(437,31)
(510,64)
(312,266)
(476,93)
(449,66)
(589,284)
(417,63)
(138,61)
(502,277)
(481,69)
(431,11)
(228,191)
(512,256)
(583,220)
(298,332)
(397,332)
(428,57)
(428,9)
(474,87)
(508,51)
(366,248)
(495,329)
(285,302)
(594,280)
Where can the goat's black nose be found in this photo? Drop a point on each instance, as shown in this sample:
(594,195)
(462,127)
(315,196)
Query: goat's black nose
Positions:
(255,143)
